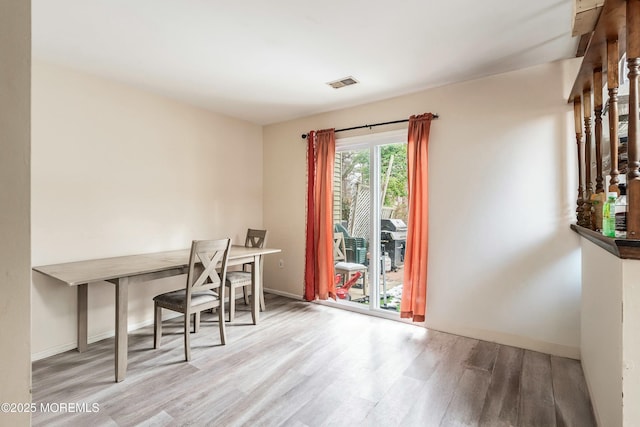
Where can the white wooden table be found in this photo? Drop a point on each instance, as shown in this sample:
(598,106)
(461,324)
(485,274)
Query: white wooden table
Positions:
(125,270)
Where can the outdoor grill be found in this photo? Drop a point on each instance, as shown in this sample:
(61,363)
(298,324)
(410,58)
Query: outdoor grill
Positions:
(393,237)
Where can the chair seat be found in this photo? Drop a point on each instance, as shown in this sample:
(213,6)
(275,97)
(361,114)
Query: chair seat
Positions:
(238,278)
(176,299)
(350,266)
(351,269)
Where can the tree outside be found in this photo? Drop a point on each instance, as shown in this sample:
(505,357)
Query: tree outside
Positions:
(355,172)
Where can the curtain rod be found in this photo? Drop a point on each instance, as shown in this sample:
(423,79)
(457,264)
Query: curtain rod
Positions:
(435,116)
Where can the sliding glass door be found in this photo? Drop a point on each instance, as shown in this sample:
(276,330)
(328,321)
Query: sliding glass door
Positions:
(370,210)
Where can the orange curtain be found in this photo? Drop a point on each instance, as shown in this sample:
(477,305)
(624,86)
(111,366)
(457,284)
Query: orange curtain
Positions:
(319,269)
(414,290)
(310,253)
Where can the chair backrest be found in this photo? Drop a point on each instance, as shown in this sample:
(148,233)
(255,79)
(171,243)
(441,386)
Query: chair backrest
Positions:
(256,238)
(339,252)
(207,256)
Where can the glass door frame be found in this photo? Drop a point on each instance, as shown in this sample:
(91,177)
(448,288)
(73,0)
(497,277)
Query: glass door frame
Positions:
(373,143)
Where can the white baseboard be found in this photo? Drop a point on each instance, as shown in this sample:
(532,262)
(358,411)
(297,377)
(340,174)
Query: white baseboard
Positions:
(95,338)
(595,400)
(284,294)
(53,351)
(508,339)
(479,334)
(491,336)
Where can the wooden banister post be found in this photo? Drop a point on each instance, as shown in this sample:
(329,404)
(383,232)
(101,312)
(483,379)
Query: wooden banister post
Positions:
(612,83)
(599,198)
(586,108)
(597,105)
(577,110)
(633,63)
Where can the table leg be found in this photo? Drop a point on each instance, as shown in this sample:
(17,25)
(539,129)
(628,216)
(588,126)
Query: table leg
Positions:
(83,298)
(255,289)
(122,292)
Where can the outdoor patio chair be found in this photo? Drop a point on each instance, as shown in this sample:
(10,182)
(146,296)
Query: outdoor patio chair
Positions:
(356,247)
(347,269)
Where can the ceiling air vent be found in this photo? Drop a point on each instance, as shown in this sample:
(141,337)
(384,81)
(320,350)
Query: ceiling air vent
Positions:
(347,81)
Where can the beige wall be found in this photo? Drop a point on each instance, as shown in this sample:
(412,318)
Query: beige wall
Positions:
(503,264)
(15,342)
(601,331)
(120,171)
(630,342)
(610,345)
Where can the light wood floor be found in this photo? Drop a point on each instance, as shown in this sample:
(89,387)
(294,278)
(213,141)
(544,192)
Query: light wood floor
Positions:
(312,365)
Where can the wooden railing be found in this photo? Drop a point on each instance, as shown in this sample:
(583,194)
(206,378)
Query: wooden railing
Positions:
(617,32)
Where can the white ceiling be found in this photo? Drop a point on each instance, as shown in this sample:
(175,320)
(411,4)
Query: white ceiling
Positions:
(267,61)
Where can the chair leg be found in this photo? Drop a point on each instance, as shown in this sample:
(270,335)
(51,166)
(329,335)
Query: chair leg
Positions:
(223,332)
(263,307)
(245,294)
(364,283)
(157,326)
(187,345)
(232,303)
(196,322)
